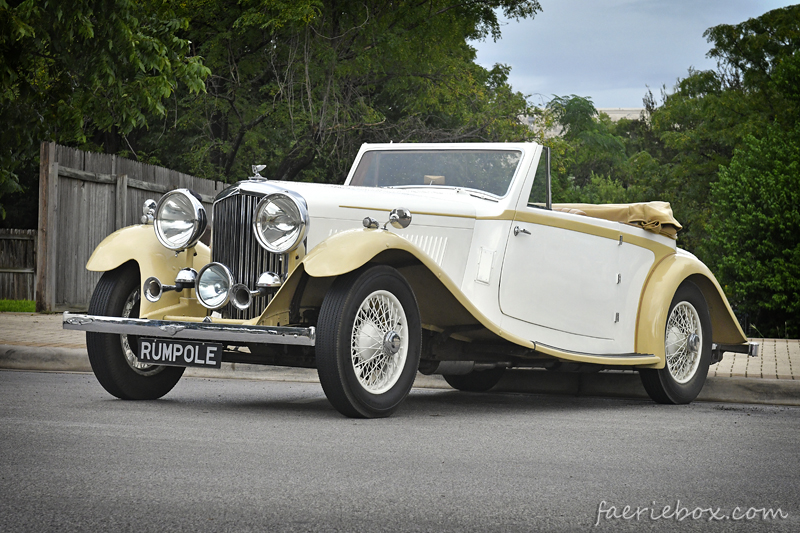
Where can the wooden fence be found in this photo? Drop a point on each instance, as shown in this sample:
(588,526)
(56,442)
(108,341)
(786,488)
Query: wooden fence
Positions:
(83,197)
(17,264)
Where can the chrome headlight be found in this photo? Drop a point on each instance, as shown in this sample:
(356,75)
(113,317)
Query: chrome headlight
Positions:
(180,219)
(281,222)
(213,285)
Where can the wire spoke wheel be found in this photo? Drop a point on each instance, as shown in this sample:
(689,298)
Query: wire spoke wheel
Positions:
(687,349)
(379,343)
(683,340)
(113,356)
(369,340)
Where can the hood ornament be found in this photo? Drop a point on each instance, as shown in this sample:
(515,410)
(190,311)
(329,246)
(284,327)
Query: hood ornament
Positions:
(256,170)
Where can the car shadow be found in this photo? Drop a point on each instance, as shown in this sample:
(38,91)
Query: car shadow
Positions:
(308,399)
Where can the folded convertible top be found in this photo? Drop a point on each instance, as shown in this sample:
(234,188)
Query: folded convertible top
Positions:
(652,216)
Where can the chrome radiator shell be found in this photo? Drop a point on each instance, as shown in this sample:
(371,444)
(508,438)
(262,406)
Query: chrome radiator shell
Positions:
(234,245)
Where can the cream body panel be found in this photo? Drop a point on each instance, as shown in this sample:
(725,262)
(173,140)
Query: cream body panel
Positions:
(139,243)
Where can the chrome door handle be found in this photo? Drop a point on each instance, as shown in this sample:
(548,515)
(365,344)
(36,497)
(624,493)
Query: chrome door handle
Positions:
(518,230)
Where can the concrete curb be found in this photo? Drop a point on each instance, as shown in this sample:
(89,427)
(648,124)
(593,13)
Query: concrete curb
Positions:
(605,384)
(44,358)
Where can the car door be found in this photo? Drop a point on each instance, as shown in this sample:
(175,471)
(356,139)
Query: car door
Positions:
(561,275)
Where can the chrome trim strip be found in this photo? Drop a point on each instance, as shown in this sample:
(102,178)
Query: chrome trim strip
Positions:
(606,355)
(206,331)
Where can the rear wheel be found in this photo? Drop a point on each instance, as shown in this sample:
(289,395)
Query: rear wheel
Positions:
(369,341)
(475,381)
(687,346)
(113,356)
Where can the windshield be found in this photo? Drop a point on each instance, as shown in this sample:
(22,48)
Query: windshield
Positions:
(489,171)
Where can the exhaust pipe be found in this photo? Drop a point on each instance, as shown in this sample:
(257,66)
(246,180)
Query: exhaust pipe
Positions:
(457,368)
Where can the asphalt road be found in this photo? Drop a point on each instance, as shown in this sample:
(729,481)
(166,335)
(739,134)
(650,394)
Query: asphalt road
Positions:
(236,455)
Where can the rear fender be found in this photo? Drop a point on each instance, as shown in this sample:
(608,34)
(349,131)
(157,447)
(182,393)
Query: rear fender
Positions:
(139,244)
(657,296)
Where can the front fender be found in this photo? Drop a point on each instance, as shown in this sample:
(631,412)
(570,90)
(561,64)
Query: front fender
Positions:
(657,296)
(139,243)
(349,250)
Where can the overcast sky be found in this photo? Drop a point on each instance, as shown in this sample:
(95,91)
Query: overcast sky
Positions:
(611,50)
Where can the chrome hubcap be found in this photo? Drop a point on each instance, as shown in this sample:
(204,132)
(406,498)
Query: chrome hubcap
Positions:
(391,342)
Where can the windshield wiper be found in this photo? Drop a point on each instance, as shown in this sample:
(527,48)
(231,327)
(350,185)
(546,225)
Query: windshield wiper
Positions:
(483,196)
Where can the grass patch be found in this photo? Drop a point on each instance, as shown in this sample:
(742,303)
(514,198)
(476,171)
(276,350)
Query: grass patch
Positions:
(17,306)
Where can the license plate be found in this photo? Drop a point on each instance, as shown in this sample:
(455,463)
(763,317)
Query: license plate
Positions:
(180,353)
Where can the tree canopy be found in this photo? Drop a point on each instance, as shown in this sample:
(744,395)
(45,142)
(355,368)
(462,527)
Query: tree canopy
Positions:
(721,147)
(299,86)
(77,69)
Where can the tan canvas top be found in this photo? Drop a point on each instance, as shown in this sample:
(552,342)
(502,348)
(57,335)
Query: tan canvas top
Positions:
(652,216)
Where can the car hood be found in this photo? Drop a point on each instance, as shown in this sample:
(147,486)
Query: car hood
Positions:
(339,202)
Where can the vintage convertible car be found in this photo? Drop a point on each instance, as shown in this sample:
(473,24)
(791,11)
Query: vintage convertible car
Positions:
(490,275)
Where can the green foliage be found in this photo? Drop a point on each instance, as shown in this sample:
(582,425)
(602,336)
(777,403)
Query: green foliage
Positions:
(17,306)
(589,159)
(741,118)
(299,86)
(755,230)
(73,69)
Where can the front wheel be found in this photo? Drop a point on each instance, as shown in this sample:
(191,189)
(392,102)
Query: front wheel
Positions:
(113,356)
(687,346)
(369,340)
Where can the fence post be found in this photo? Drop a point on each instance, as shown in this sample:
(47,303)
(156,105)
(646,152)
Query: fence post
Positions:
(47,242)
(122,201)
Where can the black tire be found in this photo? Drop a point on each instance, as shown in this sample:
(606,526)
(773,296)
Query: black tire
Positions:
(116,290)
(475,381)
(341,327)
(675,383)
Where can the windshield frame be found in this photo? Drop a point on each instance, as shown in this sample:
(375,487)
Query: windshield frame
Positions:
(480,193)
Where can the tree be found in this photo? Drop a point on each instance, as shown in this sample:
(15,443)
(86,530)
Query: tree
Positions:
(709,115)
(299,86)
(590,161)
(722,147)
(72,71)
(755,230)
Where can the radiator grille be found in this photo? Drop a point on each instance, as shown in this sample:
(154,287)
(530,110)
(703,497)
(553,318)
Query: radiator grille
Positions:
(235,246)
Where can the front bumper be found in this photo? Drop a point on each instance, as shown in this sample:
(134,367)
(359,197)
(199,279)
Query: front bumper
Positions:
(199,331)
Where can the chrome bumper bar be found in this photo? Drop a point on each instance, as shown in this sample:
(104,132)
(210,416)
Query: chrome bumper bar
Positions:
(750,348)
(201,331)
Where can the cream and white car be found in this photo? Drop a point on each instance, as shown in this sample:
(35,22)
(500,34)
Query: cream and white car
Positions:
(437,258)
